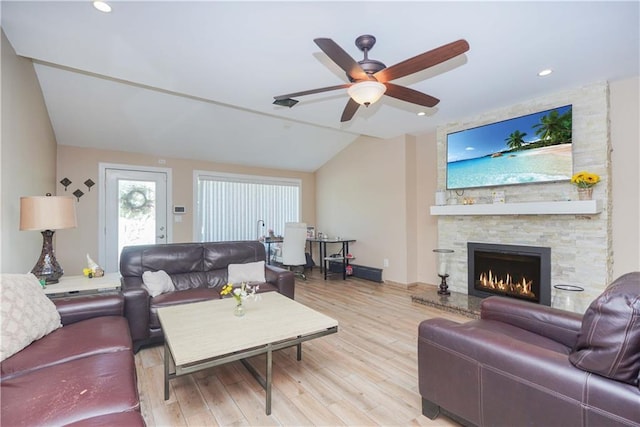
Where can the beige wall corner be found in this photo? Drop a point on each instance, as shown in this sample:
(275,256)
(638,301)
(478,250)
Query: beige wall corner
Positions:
(625,162)
(427,225)
(362,194)
(28,158)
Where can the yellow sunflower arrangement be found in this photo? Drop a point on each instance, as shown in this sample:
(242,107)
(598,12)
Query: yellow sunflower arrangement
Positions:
(585,179)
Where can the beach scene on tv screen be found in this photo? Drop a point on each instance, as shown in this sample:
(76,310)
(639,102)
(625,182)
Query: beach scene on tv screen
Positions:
(522,150)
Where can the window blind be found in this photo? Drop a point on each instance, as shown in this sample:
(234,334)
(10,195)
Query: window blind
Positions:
(229,206)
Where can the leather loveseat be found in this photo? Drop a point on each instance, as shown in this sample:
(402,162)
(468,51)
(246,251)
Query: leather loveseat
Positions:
(82,374)
(526,364)
(198,272)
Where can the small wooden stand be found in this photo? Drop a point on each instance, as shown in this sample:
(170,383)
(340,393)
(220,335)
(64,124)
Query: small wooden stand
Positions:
(444,288)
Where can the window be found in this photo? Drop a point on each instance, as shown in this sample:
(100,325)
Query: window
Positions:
(230,206)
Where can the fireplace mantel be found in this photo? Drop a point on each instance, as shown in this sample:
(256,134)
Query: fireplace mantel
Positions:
(576,207)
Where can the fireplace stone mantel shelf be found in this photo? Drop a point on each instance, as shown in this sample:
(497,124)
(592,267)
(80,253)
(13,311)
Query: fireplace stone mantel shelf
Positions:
(576,207)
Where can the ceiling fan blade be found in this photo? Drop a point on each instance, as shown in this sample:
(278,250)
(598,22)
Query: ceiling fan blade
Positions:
(312,91)
(422,61)
(342,58)
(349,110)
(413,96)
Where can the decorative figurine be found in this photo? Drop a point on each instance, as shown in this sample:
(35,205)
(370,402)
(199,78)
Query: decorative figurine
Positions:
(93,269)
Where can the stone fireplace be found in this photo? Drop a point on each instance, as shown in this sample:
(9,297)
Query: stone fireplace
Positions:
(521,272)
(580,243)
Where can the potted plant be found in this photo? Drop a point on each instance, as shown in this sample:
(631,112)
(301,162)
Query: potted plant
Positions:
(585,182)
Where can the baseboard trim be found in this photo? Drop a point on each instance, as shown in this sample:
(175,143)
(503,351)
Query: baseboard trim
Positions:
(359,271)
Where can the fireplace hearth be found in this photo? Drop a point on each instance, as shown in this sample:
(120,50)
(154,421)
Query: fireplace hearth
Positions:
(522,272)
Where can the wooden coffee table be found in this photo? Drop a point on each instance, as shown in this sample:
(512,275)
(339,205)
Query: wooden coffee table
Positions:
(205,334)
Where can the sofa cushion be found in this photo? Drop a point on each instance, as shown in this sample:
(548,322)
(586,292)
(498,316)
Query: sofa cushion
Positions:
(69,392)
(246,273)
(179,297)
(92,336)
(26,313)
(157,282)
(609,341)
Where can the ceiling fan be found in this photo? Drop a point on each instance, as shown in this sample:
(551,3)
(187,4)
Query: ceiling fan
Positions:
(370,79)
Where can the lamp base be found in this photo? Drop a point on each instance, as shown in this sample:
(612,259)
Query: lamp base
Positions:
(47,267)
(444,288)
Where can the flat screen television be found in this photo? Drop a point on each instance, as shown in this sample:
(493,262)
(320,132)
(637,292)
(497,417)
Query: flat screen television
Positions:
(523,150)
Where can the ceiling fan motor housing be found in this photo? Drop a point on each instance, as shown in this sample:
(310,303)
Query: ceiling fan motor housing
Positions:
(369,66)
(366,41)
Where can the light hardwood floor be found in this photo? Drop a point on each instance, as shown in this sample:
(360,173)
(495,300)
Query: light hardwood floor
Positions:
(364,375)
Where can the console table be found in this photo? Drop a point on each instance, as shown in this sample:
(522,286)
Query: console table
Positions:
(324,259)
(267,242)
(81,285)
(322,245)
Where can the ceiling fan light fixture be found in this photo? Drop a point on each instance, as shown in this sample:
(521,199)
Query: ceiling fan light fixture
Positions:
(367,92)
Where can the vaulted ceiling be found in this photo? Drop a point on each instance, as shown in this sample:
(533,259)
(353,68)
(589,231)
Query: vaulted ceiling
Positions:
(197,79)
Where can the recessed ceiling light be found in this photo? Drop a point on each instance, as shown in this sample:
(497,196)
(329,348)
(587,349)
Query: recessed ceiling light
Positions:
(545,72)
(102,6)
(422,113)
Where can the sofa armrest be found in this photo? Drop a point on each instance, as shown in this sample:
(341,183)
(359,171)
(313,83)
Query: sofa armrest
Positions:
(136,307)
(558,325)
(75,309)
(282,278)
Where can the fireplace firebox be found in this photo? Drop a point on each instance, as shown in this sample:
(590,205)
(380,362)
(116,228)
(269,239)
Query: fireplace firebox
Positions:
(522,272)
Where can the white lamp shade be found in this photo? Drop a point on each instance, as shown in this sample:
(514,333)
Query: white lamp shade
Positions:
(47,213)
(367,92)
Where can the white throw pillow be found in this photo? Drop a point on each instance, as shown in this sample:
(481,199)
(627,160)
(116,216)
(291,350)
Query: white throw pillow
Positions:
(26,313)
(157,282)
(249,272)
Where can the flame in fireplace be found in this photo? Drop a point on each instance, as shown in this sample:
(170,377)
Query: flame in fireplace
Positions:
(506,284)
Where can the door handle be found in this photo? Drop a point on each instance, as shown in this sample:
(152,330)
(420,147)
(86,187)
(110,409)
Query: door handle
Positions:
(160,236)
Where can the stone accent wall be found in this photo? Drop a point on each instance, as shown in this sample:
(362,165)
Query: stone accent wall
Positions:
(581,246)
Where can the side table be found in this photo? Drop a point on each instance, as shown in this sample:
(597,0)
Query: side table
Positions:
(81,285)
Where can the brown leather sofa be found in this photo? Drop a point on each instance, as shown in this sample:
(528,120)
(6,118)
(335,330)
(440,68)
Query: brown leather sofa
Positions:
(82,374)
(527,364)
(198,272)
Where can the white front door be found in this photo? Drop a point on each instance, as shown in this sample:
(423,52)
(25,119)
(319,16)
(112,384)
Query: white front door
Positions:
(134,210)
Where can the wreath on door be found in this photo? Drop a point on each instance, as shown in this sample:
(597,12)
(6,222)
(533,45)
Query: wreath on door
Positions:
(135,202)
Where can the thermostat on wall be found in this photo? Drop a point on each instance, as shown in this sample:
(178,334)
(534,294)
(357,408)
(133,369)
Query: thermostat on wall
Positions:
(179,209)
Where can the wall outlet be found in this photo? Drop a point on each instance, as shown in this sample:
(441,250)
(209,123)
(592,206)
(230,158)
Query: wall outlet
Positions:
(385,262)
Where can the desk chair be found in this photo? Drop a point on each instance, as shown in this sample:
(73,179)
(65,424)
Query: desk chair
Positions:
(293,247)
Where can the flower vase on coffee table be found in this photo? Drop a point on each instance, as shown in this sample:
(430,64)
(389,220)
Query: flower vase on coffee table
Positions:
(239,310)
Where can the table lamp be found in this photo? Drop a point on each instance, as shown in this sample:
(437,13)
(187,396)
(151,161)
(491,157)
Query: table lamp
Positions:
(47,214)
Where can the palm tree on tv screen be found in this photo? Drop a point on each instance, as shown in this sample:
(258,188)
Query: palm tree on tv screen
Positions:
(515,141)
(555,128)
